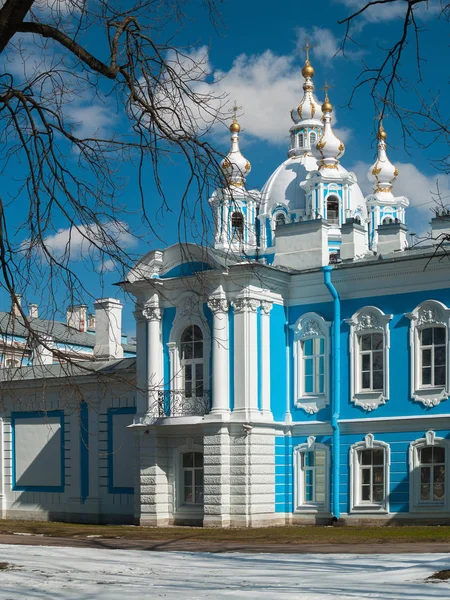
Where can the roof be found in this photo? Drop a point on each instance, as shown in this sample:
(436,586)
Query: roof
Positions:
(120,367)
(60,332)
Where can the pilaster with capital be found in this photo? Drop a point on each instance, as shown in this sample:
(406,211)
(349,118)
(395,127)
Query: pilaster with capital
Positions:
(245,357)
(220,356)
(154,351)
(266,307)
(141,360)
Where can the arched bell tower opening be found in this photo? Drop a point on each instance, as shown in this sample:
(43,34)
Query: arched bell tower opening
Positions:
(237,225)
(332,214)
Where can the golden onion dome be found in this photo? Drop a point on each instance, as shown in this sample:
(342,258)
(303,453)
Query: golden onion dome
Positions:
(235,127)
(327,107)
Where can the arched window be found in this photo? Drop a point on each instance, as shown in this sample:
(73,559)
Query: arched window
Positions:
(12,363)
(300,140)
(333,210)
(280,219)
(369,461)
(237,225)
(387,220)
(191,478)
(357,219)
(191,350)
(428,464)
(429,341)
(312,138)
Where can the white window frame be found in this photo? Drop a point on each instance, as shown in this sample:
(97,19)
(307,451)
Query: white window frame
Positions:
(180,508)
(189,312)
(415,503)
(356,504)
(368,319)
(300,505)
(310,326)
(430,313)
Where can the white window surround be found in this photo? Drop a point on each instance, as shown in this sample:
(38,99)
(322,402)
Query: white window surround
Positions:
(415,504)
(180,508)
(189,312)
(356,504)
(310,326)
(368,319)
(300,505)
(279,209)
(428,314)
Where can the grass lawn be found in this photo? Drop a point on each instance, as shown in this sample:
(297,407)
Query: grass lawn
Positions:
(267,535)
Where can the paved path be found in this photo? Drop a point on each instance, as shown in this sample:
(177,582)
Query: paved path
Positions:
(189,545)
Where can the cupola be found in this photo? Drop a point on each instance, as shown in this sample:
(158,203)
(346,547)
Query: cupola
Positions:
(329,149)
(235,166)
(382,173)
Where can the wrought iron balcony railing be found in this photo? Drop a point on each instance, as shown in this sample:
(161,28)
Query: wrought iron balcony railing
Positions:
(175,403)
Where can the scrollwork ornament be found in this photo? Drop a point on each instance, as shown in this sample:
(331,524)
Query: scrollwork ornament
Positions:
(266,306)
(311,328)
(245,304)
(427,315)
(152,313)
(367,321)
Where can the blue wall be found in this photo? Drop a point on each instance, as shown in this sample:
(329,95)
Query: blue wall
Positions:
(278,361)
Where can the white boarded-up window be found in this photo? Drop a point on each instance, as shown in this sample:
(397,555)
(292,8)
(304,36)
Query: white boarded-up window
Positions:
(38,451)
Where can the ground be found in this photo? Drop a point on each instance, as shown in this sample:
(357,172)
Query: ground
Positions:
(62,573)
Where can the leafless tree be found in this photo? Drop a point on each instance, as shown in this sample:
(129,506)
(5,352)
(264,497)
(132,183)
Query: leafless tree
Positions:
(421,113)
(67,177)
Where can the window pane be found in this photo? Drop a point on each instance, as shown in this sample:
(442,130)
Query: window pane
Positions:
(378,457)
(438,454)
(199,494)
(197,333)
(308,347)
(309,384)
(426,376)
(365,476)
(309,493)
(378,380)
(187,460)
(365,493)
(438,492)
(199,389)
(198,456)
(378,493)
(188,334)
(321,345)
(439,474)
(365,362)
(308,477)
(199,371)
(186,351)
(309,366)
(426,455)
(425,492)
(309,459)
(366,457)
(439,356)
(321,363)
(199,477)
(439,335)
(321,384)
(198,350)
(188,389)
(377,341)
(427,336)
(366,341)
(378,475)
(188,373)
(365,384)
(426,357)
(378,361)
(425,475)
(439,376)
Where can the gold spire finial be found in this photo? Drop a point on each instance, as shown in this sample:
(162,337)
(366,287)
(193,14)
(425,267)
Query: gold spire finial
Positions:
(307,70)
(381,135)
(327,107)
(235,127)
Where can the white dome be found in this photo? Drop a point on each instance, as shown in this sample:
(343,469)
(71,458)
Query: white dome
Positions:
(283,186)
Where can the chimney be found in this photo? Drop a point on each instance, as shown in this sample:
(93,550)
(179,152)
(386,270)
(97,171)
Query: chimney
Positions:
(42,355)
(440,226)
(302,245)
(16,303)
(391,238)
(76,317)
(354,240)
(91,322)
(33,311)
(108,329)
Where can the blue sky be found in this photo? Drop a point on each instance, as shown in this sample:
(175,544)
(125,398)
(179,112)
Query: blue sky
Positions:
(255,59)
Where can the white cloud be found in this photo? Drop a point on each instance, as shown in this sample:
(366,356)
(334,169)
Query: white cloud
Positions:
(389,11)
(82,241)
(91,121)
(325,45)
(417,187)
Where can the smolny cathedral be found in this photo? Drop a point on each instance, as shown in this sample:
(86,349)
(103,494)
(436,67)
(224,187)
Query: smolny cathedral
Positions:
(297,371)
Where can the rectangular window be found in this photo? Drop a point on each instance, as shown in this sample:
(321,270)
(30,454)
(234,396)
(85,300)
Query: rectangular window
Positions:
(433,356)
(314,366)
(432,474)
(371,467)
(371,361)
(192,477)
(313,476)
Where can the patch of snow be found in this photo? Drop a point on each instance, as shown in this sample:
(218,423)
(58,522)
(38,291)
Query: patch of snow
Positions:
(85,573)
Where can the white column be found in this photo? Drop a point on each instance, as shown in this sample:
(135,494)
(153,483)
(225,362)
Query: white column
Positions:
(220,357)
(141,361)
(245,358)
(266,307)
(153,314)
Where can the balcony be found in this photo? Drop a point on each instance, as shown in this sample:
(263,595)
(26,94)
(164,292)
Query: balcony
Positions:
(175,403)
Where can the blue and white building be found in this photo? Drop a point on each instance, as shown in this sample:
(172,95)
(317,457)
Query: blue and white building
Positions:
(296,372)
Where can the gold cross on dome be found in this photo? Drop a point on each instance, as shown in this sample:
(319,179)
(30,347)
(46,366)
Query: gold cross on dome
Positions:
(307,47)
(234,110)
